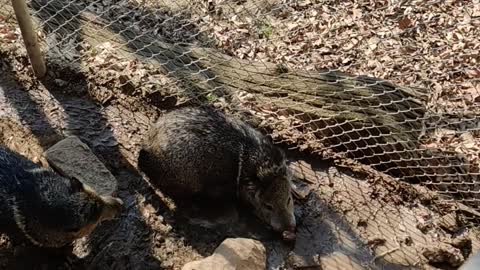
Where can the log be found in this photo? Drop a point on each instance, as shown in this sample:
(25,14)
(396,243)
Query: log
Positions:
(369,119)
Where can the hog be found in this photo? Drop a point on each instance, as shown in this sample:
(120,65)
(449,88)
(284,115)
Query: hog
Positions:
(198,151)
(41,208)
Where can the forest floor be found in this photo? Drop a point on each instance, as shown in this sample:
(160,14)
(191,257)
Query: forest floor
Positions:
(347,215)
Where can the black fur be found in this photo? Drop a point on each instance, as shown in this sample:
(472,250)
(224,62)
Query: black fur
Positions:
(197,151)
(41,207)
(192,152)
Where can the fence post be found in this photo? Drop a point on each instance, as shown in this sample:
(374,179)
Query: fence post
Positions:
(29,38)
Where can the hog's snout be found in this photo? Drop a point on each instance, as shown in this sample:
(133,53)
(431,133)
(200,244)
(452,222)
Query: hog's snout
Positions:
(289,235)
(281,223)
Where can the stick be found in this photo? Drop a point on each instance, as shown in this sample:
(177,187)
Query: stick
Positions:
(383,254)
(29,38)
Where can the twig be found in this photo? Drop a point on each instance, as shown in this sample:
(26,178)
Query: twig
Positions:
(385,253)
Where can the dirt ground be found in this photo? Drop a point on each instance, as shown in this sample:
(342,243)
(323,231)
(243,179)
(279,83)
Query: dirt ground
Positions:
(348,218)
(345,219)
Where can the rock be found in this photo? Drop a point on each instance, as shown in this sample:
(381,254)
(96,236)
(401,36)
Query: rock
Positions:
(338,260)
(72,158)
(443,253)
(233,254)
(472,263)
(295,261)
(449,222)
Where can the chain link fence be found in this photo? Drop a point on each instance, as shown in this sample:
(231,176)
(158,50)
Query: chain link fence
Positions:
(427,133)
(287,67)
(427,136)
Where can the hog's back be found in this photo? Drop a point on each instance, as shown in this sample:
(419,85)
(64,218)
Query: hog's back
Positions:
(193,151)
(16,186)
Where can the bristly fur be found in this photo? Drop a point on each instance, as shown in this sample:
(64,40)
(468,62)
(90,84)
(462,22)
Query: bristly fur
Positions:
(202,152)
(43,208)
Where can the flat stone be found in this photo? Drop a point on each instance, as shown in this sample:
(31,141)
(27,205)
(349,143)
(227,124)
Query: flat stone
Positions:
(73,158)
(233,254)
(472,263)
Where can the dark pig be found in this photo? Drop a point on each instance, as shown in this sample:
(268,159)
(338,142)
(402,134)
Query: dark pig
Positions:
(200,151)
(40,207)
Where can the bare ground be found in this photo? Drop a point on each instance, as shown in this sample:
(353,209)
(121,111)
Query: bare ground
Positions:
(345,218)
(349,216)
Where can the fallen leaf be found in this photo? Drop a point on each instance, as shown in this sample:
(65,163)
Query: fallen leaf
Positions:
(404,23)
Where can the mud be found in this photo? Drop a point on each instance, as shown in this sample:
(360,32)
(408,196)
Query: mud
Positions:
(342,216)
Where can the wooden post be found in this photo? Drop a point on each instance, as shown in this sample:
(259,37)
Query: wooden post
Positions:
(29,38)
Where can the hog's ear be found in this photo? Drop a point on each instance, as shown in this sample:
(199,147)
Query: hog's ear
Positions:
(267,175)
(79,186)
(76,184)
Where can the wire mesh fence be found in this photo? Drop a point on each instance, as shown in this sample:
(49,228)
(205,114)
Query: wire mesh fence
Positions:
(287,66)
(420,136)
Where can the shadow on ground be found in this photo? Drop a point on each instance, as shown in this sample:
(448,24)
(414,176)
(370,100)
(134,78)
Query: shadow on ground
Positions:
(147,236)
(48,113)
